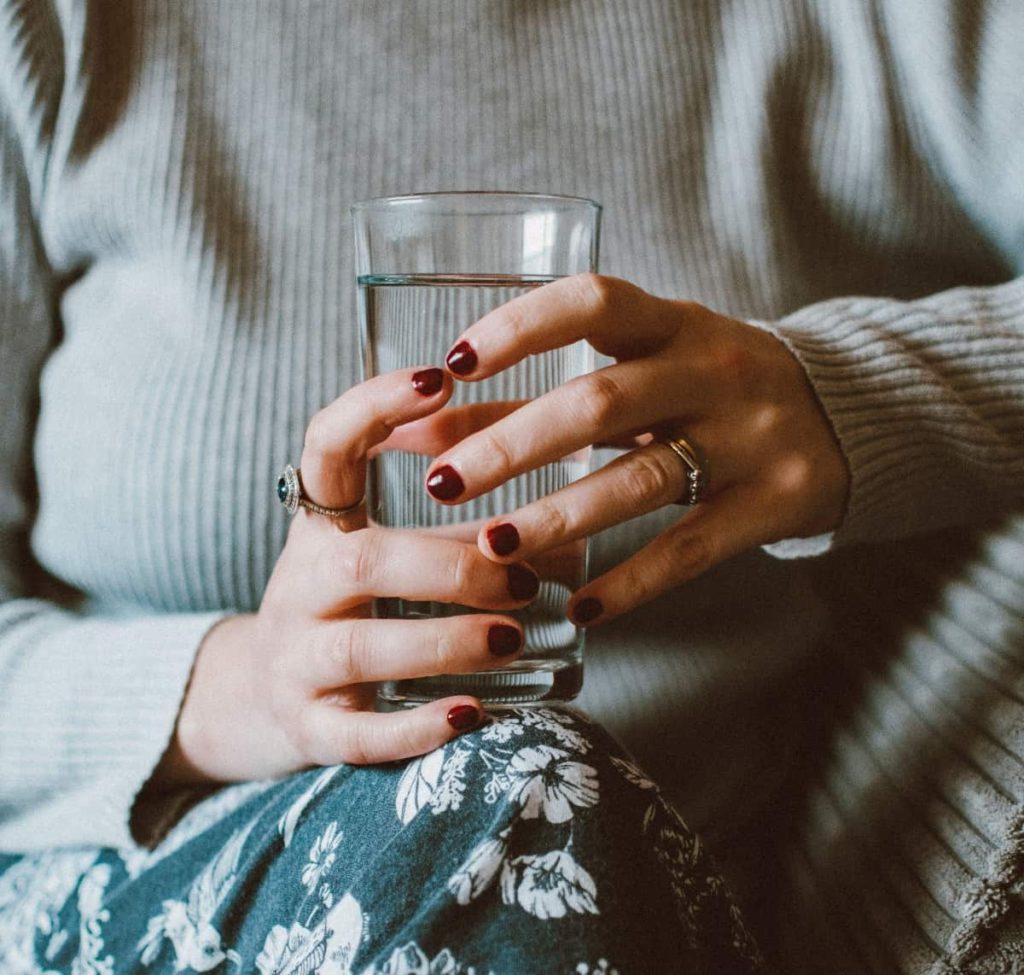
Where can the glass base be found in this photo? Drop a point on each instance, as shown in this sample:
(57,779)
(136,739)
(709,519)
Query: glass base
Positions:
(508,687)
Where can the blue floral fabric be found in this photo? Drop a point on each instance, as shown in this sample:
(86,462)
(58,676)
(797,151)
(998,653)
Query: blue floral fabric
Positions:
(529,845)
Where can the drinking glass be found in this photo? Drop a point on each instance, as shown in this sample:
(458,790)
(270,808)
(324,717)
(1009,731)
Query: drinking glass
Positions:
(428,266)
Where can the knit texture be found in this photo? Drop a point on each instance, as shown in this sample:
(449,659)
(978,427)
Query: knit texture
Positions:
(176,300)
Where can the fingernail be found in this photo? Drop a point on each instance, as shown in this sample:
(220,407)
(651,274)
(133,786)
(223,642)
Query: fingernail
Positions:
(445,483)
(503,640)
(503,539)
(462,717)
(587,609)
(427,382)
(522,582)
(461,359)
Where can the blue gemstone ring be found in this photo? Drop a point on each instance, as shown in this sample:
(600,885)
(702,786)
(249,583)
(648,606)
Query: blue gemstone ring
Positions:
(292,496)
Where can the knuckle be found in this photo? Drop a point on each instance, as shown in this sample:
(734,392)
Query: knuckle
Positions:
(732,362)
(598,292)
(444,650)
(462,569)
(793,476)
(653,475)
(361,558)
(318,437)
(304,737)
(498,449)
(552,518)
(355,743)
(690,555)
(603,398)
(347,653)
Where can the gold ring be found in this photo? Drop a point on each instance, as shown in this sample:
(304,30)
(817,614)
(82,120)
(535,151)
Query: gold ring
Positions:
(696,469)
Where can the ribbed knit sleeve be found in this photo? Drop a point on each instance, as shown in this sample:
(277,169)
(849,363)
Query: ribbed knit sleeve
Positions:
(927,401)
(87,704)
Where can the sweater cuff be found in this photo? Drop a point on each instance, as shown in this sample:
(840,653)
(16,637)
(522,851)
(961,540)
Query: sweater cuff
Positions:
(916,394)
(125,680)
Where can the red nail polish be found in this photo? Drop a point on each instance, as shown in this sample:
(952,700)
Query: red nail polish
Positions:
(461,359)
(503,640)
(445,483)
(503,539)
(522,582)
(462,717)
(587,609)
(428,382)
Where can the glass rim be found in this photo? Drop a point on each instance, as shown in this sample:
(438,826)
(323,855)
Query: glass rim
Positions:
(388,202)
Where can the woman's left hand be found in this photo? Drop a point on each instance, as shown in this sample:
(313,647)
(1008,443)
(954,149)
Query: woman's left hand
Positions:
(729,388)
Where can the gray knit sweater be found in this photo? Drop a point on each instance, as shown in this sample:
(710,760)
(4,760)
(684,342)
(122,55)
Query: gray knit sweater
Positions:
(176,300)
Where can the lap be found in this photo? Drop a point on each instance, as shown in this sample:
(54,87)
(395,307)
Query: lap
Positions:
(532,844)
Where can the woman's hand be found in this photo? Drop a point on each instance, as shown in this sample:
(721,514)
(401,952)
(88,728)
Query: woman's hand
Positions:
(294,685)
(776,470)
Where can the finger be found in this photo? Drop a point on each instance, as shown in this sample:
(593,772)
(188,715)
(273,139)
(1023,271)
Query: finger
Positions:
(630,485)
(737,519)
(434,434)
(616,400)
(369,650)
(359,738)
(617,318)
(412,565)
(339,436)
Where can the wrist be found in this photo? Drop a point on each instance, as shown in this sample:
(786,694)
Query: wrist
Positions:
(214,694)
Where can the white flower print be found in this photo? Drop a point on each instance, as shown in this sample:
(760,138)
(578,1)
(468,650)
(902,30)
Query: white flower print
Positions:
(288,822)
(322,855)
(32,893)
(601,968)
(92,915)
(632,773)
(502,730)
(417,784)
(344,929)
(480,869)
(554,722)
(549,885)
(412,960)
(189,925)
(452,787)
(497,785)
(544,781)
(292,950)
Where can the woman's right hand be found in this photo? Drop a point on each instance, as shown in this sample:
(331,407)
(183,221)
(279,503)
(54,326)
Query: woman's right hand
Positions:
(293,685)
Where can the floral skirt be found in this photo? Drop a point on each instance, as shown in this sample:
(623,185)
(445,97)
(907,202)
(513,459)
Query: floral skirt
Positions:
(529,845)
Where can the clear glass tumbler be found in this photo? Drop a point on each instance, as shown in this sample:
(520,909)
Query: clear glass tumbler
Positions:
(429,266)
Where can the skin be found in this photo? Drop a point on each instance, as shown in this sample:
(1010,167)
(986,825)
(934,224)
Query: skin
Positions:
(681,369)
(293,684)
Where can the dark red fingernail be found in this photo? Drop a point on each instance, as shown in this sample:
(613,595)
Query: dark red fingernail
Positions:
(445,483)
(462,717)
(428,382)
(461,360)
(503,538)
(587,609)
(522,582)
(503,640)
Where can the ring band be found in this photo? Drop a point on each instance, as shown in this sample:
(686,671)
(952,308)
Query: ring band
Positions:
(291,494)
(696,470)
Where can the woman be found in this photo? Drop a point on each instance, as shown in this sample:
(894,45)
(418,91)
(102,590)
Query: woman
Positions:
(175,185)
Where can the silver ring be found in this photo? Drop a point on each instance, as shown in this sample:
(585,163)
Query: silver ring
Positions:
(696,469)
(292,496)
